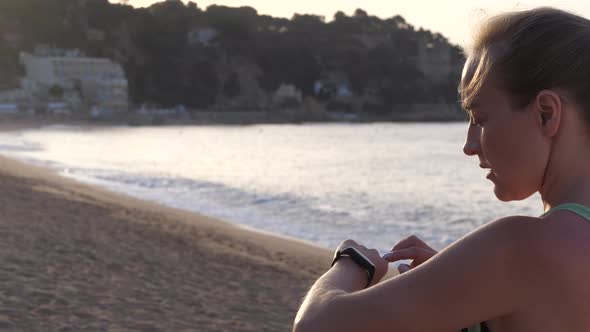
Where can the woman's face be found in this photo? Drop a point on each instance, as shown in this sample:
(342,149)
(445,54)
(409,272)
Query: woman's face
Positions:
(507,141)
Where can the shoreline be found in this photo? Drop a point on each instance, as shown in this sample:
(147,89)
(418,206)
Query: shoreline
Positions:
(53,173)
(36,122)
(8,166)
(50,174)
(74,253)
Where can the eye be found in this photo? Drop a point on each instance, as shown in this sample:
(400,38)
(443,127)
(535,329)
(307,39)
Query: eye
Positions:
(474,121)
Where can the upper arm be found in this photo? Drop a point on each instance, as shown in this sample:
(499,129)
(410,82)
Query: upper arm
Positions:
(477,278)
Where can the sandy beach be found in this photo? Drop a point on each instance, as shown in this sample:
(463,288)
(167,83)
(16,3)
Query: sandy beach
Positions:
(79,258)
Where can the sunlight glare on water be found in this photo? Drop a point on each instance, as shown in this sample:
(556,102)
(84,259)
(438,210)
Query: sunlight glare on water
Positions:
(324,183)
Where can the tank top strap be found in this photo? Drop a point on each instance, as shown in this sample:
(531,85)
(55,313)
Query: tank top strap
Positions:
(481,327)
(579,209)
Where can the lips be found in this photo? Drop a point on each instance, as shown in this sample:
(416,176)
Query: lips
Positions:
(490,173)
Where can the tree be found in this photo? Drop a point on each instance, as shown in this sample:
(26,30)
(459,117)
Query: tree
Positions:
(203,87)
(360,14)
(307,23)
(231,88)
(375,57)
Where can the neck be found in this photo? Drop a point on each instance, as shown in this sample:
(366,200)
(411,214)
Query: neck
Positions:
(573,192)
(566,181)
(567,175)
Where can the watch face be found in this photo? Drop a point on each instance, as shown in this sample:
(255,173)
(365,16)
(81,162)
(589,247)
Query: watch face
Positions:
(363,256)
(358,257)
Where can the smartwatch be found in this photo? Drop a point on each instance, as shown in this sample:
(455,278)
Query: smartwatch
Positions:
(360,259)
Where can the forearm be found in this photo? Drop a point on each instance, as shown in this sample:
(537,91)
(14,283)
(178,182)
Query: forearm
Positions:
(344,278)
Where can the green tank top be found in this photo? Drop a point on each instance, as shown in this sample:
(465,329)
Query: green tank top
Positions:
(579,209)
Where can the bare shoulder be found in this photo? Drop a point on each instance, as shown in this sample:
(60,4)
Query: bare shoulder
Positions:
(548,249)
(509,235)
(538,240)
(562,237)
(551,255)
(548,237)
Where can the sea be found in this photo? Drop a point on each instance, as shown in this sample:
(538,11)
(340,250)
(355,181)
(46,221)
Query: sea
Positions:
(322,183)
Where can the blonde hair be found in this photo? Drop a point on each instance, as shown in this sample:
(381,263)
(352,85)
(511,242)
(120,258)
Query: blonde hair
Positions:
(528,51)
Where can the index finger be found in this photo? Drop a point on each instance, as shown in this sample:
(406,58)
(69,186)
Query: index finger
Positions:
(411,241)
(415,253)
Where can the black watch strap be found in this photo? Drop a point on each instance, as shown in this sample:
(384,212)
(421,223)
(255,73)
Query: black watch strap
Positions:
(360,259)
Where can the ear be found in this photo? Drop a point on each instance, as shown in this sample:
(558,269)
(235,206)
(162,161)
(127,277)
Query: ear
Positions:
(548,111)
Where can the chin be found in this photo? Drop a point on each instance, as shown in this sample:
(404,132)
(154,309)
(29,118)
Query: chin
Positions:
(508,196)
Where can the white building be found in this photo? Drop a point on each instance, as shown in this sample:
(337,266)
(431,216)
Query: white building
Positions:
(287,92)
(96,81)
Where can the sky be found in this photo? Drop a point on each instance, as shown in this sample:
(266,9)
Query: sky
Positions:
(455,19)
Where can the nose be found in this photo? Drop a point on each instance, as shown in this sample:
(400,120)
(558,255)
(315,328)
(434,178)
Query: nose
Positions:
(472,146)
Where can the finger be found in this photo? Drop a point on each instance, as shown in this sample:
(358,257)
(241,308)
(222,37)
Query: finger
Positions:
(402,268)
(411,241)
(419,254)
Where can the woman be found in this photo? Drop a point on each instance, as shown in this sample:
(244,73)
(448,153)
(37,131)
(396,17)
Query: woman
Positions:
(526,87)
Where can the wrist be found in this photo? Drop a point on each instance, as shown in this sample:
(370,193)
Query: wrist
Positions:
(354,278)
(359,259)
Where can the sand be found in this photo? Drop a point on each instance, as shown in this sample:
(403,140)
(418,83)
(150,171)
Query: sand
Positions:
(75,257)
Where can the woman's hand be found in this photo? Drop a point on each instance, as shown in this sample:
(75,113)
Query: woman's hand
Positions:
(373,255)
(410,248)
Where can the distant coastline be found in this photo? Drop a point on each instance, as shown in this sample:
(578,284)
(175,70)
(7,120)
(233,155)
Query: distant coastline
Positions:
(102,57)
(402,113)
